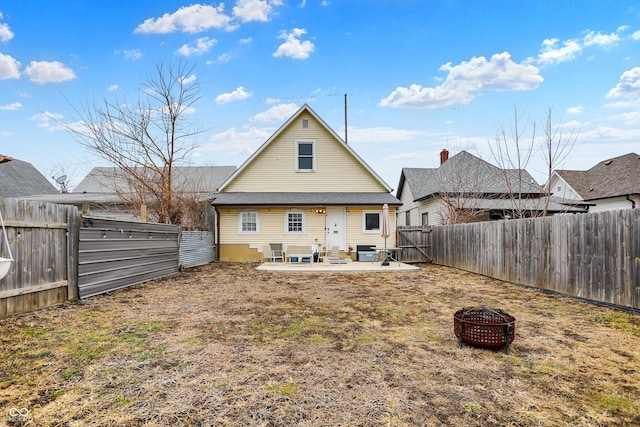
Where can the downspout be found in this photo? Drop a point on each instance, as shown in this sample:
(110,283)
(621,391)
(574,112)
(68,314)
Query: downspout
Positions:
(216,216)
(633,202)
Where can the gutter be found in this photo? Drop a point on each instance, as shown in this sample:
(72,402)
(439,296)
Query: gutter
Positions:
(217,232)
(633,202)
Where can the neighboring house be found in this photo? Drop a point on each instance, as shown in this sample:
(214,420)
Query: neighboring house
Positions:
(465,189)
(303,186)
(98,193)
(611,184)
(21,179)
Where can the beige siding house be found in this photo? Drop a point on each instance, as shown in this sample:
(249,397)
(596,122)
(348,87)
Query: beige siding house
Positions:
(303,186)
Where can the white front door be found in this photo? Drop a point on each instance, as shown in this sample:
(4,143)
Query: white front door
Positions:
(335,228)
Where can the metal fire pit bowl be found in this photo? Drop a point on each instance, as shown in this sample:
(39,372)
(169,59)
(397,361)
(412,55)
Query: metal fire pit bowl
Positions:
(484,327)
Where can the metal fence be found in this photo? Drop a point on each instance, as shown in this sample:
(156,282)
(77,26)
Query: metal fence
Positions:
(114,254)
(196,248)
(41,237)
(595,256)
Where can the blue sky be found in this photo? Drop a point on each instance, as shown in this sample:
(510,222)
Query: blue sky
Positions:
(419,75)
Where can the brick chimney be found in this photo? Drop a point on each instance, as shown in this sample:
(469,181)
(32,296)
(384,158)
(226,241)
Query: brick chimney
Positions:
(444,156)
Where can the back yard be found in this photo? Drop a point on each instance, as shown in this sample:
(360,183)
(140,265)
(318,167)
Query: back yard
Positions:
(227,345)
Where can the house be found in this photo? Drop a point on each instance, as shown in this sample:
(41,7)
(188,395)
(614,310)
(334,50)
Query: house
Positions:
(611,184)
(465,189)
(303,187)
(21,179)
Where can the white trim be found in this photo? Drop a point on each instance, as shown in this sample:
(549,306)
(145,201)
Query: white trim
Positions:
(364,222)
(286,222)
(240,230)
(313,155)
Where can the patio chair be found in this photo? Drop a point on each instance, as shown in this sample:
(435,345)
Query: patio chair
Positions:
(334,258)
(276,252)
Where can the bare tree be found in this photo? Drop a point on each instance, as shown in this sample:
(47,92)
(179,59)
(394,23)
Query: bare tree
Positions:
(146,140)
(512,150)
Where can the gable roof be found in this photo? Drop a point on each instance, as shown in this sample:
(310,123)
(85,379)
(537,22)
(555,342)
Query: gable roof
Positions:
(613,177)
(465,173)
(20,179)
(196,179)
(308,109)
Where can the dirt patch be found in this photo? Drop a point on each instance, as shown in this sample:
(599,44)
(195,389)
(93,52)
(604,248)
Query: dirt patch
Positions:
(227,345)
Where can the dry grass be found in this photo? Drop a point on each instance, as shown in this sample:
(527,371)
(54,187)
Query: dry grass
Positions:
(226,345)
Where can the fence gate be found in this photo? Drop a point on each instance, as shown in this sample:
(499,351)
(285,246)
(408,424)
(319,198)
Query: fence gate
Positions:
(115,254)
(415,243)
(196,248)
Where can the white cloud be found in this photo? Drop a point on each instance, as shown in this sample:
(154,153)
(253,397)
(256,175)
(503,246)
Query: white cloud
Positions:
(5,33)
(628,86)
(602,40)
(255,10)
(636,35)
(384,135)
(112,88)
(630,118)
(237,95)
(575,110)
(131,54)
(552,54)
(225,57)
(236,142)
(9,67)
(49,72)
(195,18)
(465,80)
(293,47)
(190,79)
(245,40)
(276,113)
(11,107)
(48,121)
(202,46)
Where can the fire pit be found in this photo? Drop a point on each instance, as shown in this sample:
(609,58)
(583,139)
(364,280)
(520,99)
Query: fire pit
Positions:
(484,327)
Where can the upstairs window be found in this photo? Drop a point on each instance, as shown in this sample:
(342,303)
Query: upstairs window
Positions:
(305,156)
(305,123)
(425,218)
(407,218)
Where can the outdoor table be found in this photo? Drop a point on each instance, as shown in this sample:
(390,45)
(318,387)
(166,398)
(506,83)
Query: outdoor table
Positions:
(389,254)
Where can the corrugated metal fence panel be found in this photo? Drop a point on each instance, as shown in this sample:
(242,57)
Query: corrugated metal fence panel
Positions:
(196,248)
(115,254)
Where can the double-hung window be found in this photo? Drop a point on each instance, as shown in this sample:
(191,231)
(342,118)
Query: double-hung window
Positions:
(305,156)
(371,221)
(294,223)
(249,223)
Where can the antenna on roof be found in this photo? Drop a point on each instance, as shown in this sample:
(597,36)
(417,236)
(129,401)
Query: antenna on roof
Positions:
(62,181)
(345,119)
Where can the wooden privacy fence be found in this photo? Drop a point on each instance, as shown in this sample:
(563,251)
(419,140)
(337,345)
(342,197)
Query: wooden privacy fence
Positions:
(595,256)
(415,242)
(43,242)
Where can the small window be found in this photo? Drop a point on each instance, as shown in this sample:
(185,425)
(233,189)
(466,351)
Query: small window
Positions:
(559,189)
(305,123)
(407,218)
(371,222)
(425,218)
(249,223)
(295,222)
(305,156)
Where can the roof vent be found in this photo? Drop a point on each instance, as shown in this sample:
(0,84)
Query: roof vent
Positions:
(608,162)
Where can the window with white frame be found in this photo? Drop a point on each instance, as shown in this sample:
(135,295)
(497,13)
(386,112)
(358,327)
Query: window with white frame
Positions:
(294,223)
(371,221)
(305,156)
(248,222)
(425,218)
(305,123)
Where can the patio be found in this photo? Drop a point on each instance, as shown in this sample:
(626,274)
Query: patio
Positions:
(327,267)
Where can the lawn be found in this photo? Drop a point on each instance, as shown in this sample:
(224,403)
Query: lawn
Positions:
(227,345)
